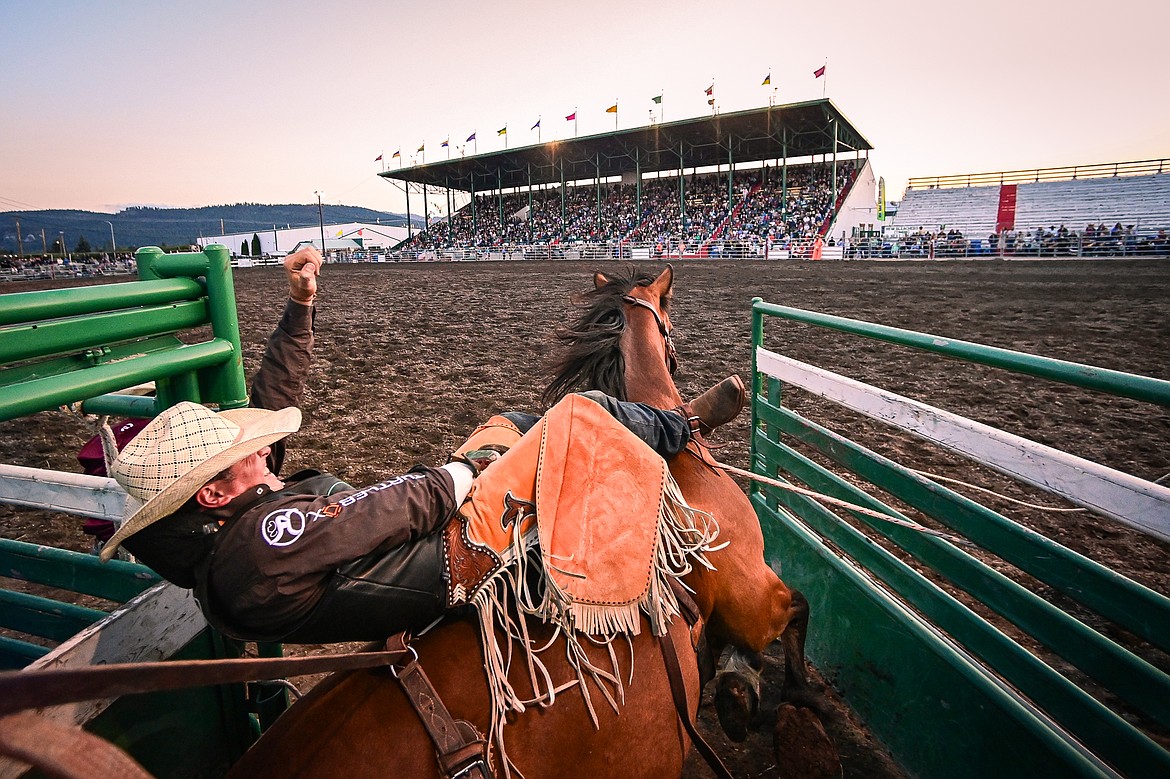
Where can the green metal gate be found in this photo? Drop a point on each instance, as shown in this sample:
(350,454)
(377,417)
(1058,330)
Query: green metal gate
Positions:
(175,326)
(948,692)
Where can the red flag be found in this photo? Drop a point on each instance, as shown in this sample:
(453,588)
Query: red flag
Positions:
(378,158)
(819,72)
(571,117)
(710,90)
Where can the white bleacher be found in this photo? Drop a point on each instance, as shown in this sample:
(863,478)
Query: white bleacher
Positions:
(1143,201)
(970,210)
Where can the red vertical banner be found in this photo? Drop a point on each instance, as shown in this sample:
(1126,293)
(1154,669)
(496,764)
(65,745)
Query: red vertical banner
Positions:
(1005,218)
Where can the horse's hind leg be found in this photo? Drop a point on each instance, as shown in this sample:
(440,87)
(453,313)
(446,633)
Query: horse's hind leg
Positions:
(799,738)
(737,692)
(797,688)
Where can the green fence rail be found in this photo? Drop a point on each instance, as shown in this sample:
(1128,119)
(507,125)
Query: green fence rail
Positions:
(947,690)
(68,345)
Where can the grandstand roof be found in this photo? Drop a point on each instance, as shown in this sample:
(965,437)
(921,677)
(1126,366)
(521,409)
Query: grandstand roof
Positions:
(792,130)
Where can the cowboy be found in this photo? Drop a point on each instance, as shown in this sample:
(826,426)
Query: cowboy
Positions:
(310,558)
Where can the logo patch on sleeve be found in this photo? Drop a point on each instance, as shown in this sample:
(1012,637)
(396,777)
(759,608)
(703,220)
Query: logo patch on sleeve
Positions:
(283,527)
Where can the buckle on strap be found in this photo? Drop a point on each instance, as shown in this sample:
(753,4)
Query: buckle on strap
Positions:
(476,769)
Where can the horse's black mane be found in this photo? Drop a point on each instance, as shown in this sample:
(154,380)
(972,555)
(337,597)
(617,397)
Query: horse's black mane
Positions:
(591,357)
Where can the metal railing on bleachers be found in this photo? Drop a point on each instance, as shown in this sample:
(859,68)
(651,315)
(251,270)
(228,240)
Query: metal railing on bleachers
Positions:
(1067,173)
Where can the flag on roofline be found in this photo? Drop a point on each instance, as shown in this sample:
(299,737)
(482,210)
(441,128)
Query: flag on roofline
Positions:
(657,99)
(767,80)
(423,147)
(612,109)
(710,101)
(470,138)
(571,117)
(378,158)
(446,143)
(533,127)
(819,72)
(710,90)
(396,154)
(502,131)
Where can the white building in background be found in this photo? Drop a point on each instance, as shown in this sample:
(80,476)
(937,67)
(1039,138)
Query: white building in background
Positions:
(347,238)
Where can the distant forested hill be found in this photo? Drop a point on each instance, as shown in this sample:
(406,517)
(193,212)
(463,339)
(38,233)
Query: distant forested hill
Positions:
(139,226)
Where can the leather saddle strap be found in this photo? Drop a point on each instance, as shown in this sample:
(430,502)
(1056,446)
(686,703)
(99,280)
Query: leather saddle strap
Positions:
(460,751)
(32,689)
(678,691)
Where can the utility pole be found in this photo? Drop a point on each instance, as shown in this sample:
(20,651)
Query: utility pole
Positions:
(321,220)
(19,241)
(44,243)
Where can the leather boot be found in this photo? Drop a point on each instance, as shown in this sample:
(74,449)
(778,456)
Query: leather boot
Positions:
(717,406)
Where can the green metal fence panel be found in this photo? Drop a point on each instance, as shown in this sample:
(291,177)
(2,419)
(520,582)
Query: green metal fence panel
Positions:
(921,701)
(183,734)
(1101,729)
(177,292)
(16,654)
(17,307)
(74,345)
(916,691)
(22,342)
(43,617)
(54,391)
(1114,382)
(116,580)
(1122,600)
(224,385)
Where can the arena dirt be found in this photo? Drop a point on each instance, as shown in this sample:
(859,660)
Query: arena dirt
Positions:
(411,357)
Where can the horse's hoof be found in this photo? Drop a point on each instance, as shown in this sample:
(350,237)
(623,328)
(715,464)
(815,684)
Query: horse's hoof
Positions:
(803,748)
(736,703)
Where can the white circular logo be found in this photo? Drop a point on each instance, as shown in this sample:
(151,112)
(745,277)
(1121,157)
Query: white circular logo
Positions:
(281,528)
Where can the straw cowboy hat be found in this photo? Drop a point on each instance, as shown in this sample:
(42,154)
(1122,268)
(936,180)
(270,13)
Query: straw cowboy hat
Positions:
(181,450)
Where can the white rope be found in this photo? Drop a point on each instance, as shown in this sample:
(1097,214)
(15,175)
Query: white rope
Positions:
(844,504)
(1037,506)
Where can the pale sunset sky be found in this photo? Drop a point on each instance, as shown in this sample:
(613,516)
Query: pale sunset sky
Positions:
(108,104)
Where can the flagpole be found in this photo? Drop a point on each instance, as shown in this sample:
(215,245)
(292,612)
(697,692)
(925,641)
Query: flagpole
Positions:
(825,86)
(615,113)
(574,121)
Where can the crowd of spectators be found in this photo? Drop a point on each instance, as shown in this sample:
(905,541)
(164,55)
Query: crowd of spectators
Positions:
(50,267)
(1053,241)
(769,211)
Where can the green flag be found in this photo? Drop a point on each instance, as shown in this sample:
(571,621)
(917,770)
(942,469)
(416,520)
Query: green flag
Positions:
(657,99)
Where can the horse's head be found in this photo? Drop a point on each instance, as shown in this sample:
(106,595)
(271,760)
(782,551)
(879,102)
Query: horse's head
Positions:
(621,343)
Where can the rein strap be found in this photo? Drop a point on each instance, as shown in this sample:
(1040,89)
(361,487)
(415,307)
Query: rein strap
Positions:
(678,691)
(33,689)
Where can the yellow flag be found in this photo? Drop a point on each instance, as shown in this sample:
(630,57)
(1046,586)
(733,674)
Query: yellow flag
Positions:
(612,109)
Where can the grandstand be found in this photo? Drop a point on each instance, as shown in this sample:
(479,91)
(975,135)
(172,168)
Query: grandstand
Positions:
(766,182)
(784,181)
(1114,208)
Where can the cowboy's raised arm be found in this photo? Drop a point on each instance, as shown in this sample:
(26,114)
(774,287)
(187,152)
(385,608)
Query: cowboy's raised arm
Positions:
(288,355)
